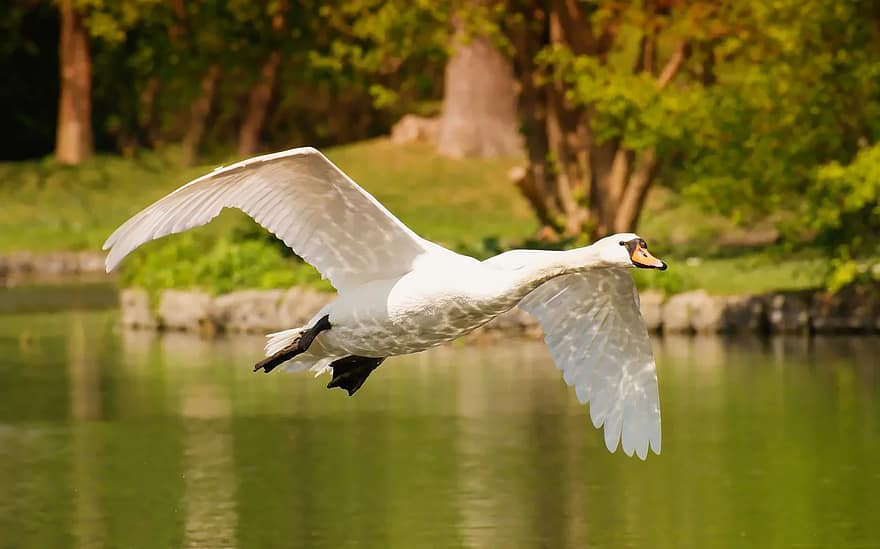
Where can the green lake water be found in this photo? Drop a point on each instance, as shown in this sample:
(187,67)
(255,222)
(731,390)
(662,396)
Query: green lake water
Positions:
(118,439)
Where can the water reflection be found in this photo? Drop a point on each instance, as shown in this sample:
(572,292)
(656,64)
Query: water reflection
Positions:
(128,439)
(85,406)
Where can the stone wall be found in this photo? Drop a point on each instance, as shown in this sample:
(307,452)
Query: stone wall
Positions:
(245,311)
(261,311)
(18,265)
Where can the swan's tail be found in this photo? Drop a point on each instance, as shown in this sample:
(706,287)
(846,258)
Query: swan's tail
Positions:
(277,341)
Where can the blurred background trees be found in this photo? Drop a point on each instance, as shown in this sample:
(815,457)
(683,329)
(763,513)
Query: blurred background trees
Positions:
(755,110)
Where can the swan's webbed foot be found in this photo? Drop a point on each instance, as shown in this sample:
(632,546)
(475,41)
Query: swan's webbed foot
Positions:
(351,372)
(299,346)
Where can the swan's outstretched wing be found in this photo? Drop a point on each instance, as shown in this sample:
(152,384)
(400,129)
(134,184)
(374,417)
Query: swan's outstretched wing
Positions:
(301,197)
(595,333)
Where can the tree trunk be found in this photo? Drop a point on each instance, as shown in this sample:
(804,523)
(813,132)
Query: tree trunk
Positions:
(479,102)
(73,138)
(198,116)
(148,114)
(627,215)
(534,182)
(258,107)
(567,136)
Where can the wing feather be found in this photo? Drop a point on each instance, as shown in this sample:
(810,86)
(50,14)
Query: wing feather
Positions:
(595,333)
(301,197)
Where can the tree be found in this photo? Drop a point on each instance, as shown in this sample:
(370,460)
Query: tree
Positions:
(95,36)
(73,141)
(398,47)
(269,29)
(199,111)
(792,131)
(479,99)
(594,111)
(598,113)
(257,108)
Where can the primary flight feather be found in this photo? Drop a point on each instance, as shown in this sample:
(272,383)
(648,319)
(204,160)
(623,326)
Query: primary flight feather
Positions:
(400,293)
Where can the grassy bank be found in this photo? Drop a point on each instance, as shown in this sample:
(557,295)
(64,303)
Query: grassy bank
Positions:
(51,207)
(467,205)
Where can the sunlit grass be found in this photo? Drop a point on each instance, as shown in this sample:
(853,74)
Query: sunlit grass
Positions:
(453,202)
(44,206)
(746,274)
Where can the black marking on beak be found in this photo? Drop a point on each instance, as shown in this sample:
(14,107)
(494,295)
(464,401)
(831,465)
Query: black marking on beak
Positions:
(641,257)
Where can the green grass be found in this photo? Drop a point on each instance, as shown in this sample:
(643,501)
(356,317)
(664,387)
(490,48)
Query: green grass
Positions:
(50,207)
(752,273)
(468,205)
(453,202)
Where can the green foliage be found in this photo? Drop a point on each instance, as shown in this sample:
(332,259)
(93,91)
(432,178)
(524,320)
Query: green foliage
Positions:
(844,201)
(671,281)
(398,46)
(626,106)
(219,265)
(843,208)
(799,90)
(111,20)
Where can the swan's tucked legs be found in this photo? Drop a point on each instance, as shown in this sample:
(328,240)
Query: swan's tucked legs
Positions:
(300,345)
(351,372)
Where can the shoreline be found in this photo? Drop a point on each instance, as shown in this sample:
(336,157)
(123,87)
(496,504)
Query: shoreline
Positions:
(852,311)
(25,267)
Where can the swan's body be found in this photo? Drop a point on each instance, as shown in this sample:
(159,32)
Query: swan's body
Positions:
(401,294)
(423,308)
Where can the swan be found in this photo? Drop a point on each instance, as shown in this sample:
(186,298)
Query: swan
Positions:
(399,293)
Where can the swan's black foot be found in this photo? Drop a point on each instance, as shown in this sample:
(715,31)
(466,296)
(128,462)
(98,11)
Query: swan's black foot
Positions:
(299,345)
(351,372)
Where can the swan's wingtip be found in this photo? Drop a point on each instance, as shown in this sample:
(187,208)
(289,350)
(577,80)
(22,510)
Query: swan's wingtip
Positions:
(650,445)
(296,151)
(112,260)
(612,442)
(111,240)
(655,442)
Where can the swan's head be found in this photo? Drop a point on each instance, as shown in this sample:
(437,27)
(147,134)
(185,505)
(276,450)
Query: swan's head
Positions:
(627,250)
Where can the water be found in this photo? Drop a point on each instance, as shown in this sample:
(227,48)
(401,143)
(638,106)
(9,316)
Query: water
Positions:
(115,439)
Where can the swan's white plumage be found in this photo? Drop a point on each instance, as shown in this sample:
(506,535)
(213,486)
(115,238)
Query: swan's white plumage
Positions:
(399,293)
(302,198)
(595,333)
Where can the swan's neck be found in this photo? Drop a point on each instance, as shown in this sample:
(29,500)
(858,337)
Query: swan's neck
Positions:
(528,269)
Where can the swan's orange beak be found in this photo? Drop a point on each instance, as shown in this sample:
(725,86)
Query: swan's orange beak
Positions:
(642,258)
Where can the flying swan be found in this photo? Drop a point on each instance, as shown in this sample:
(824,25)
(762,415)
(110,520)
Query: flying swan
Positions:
(400,294)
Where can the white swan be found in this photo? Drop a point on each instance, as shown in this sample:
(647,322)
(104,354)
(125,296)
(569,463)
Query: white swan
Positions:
(399,293)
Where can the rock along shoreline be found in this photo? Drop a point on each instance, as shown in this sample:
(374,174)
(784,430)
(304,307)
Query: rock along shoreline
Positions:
(853,311)
(39,265)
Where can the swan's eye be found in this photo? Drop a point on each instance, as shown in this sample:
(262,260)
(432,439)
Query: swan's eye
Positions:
(643,244)
(622,243)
